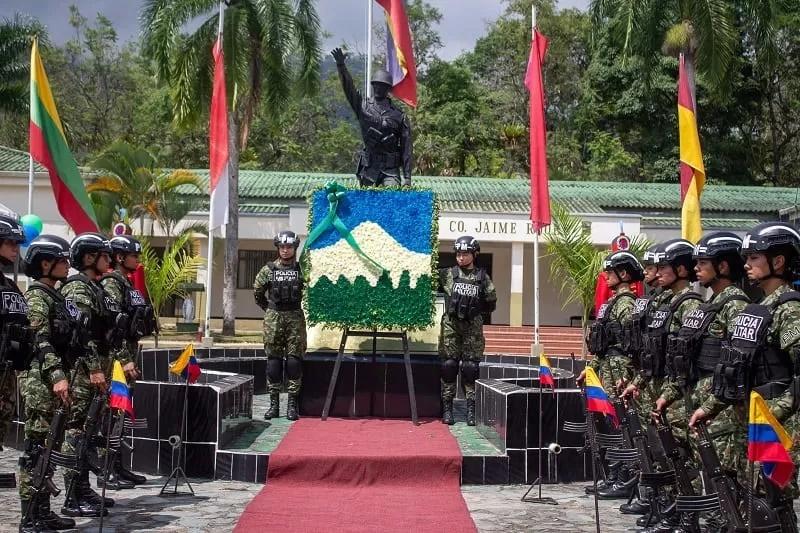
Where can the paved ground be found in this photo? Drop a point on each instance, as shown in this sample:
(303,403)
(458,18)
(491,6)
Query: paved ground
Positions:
(218,505)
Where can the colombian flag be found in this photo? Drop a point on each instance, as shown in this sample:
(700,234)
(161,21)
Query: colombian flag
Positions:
(596,398)
(545,373)
(120,397)
(186,365)
(49,147)
(400,55)
(768,443)
(693,173)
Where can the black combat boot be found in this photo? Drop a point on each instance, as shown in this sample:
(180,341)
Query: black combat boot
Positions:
(471,412)
(447,412)
(51,519)
(620,489)
(274,406)
(291,408)
(78,506)
(127,475)
(30,521)
(115,482)
(86,493)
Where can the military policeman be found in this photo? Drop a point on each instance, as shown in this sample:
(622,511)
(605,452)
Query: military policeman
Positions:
(386,157)
(125,252)
(278,290)
(90,255)
(14,321)
(45,385)
(469,293)
(763,353)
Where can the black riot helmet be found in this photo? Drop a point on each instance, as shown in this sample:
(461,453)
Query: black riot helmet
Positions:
(623,260)
(286,237)
(125,244)
(649,256)
(87,243)
(722,246)
(43,247)
(381,76)
(467,243)
(773,239)
(677,252)
(10,228)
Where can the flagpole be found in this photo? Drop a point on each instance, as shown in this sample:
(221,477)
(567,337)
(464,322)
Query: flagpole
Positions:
(208,340)
(537,346)
(30,185)
(368,77)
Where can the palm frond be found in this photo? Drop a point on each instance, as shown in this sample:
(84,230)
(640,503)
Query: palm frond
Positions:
(166,276)
(716,38)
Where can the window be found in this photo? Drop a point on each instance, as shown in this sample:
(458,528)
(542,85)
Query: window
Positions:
(250,263)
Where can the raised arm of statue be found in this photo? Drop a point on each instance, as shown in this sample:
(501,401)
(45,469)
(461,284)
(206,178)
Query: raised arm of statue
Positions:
(406,152)
(353,95)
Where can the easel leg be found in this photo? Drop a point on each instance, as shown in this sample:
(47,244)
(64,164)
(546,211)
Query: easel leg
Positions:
(412,398)
(334,376)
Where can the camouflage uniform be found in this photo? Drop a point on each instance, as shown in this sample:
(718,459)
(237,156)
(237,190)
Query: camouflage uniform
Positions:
(8,387)
(36,384)
(650,387)
(616,365)
(463,340)
(114,286)
(85,298)
(284,330)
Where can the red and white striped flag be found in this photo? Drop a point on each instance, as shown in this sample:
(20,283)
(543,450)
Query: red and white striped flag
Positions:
(219,159)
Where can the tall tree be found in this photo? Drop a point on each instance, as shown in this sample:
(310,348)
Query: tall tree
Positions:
(271,49)
(16,36)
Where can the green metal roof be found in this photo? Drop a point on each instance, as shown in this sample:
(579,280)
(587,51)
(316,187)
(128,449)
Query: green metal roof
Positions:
(709,223)
(268,192)
(17,161)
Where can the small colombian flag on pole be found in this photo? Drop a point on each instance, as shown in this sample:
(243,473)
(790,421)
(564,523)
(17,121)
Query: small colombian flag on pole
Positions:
(545,373)
(120,396)
(693,172)
(186,365)
(596,398)
(768,443)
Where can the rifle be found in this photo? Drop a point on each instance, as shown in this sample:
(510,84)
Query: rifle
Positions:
(639,437)
(591,436)
(87,441)
(779,509)
(676,455)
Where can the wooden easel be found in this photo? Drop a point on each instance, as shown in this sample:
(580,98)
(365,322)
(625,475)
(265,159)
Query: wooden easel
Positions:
(375,334)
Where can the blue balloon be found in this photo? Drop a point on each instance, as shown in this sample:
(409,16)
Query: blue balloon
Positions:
(31,232)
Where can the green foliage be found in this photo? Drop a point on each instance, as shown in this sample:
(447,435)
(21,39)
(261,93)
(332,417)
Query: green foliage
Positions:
(16,38)
(167,275)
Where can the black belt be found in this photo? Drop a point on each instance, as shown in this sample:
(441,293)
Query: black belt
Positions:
(771,390)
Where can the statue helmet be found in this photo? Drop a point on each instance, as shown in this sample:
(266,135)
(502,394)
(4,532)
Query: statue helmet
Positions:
(382,76)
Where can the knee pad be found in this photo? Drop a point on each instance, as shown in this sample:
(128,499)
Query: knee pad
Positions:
(294,367)
(469,371)
(449,370)
(275,369)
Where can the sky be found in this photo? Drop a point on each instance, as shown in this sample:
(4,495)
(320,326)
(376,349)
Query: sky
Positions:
(463,21)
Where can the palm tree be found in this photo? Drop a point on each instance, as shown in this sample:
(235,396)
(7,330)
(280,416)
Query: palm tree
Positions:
(16,37)
(271,49)
(128,178)
(168,275)
(704,31)
(576,261)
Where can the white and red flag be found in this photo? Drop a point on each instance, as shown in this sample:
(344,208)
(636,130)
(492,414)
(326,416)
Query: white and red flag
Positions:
(219,158)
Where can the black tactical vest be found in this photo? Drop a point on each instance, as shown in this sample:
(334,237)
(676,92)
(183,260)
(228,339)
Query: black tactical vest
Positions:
(141,318)
(65,323)
(692,353)
(110,324)
(285,288)
(16,341)
(466,297)
(634,329)
(606,332)
(654,348)
(749,361)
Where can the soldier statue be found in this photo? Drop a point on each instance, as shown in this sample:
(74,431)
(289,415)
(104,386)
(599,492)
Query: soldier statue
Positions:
(385,159)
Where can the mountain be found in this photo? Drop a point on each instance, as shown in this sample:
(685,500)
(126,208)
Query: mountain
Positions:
(340,259)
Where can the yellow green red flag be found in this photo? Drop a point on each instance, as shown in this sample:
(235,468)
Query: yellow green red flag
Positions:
(693,173)
(49,147)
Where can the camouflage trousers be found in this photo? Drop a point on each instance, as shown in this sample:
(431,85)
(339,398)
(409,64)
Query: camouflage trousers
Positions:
(284,336)
(460,340)
(40,406)
(8,402)
(612,369)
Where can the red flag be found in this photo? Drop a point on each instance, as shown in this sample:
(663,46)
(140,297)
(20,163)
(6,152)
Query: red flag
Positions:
(219,159)
(540,194)
(137,279)
(400,54)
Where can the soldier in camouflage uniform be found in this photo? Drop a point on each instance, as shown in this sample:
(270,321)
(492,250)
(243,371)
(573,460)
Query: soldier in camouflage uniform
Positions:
(90,255)
(468,293)
(768,335)
(45,385)
(116,284)
(278,290)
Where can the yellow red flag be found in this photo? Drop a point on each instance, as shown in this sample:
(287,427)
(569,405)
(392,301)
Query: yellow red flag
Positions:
(693,173)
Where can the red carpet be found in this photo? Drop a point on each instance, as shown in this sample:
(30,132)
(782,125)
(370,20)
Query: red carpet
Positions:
(361,476)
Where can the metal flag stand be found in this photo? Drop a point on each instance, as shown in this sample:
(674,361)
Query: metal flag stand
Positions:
(177,444)
(403,336)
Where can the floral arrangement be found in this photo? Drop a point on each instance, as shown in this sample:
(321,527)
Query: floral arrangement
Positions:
(370,257)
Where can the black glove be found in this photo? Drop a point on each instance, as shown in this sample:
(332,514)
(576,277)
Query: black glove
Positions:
(339,55)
